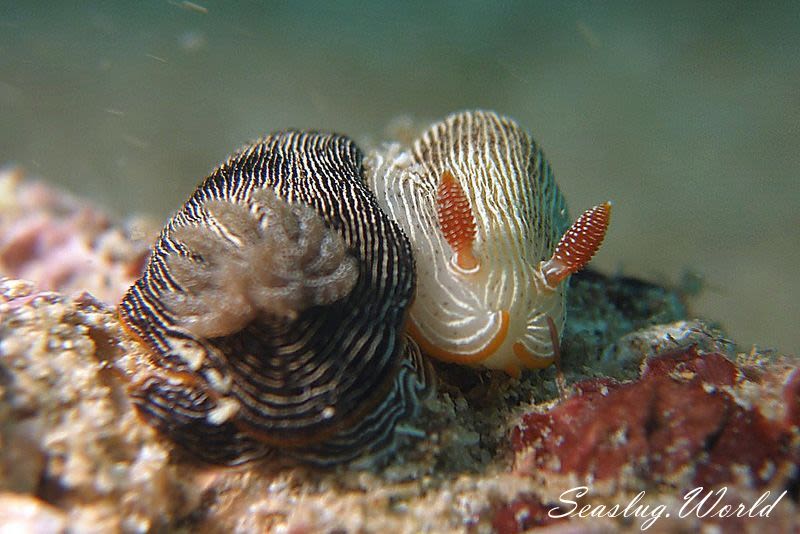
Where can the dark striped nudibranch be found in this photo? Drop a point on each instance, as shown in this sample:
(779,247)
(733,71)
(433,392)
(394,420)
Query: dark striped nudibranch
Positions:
(273,308)
(484,214)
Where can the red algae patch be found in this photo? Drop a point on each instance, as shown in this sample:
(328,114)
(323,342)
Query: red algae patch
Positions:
(680,424)
(523,513)
(791,396)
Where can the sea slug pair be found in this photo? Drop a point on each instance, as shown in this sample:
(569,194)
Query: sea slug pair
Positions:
(274,305)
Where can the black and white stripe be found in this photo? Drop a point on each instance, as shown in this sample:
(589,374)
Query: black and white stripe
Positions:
(519,214)
(335,376)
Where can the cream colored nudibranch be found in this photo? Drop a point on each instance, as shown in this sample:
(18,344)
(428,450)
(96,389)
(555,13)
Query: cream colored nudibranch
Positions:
(491,237)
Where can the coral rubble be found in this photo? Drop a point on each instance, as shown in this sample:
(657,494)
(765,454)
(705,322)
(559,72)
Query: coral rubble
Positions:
(69,436)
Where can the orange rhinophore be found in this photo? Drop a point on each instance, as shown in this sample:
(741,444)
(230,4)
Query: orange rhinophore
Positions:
(457,221)
(578,244)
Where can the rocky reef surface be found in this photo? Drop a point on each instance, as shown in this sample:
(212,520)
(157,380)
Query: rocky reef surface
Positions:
(651,405)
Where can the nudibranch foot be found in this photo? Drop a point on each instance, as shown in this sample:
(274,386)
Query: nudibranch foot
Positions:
(182,413)
(578,244)
(529,359)
(467,355)
(273,310)
(205,424)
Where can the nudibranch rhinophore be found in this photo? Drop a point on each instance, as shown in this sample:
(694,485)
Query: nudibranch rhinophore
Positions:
(484,214)
(273,307)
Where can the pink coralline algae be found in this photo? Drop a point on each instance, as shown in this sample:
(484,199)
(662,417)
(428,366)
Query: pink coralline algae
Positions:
(63,244)
(686,422)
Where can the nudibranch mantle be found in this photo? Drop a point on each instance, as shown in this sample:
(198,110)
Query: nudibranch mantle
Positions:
(493,308)
(273,309)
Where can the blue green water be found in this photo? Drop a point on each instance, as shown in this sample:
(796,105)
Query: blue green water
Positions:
(685,114)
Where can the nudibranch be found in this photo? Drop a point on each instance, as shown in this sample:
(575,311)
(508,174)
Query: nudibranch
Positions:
(273,308)
(479,202)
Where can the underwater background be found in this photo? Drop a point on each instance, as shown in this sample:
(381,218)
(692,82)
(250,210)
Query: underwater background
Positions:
(685,114)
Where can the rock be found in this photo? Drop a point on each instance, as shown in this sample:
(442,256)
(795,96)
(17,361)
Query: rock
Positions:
(69,434)
(23,513)
(491,453)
